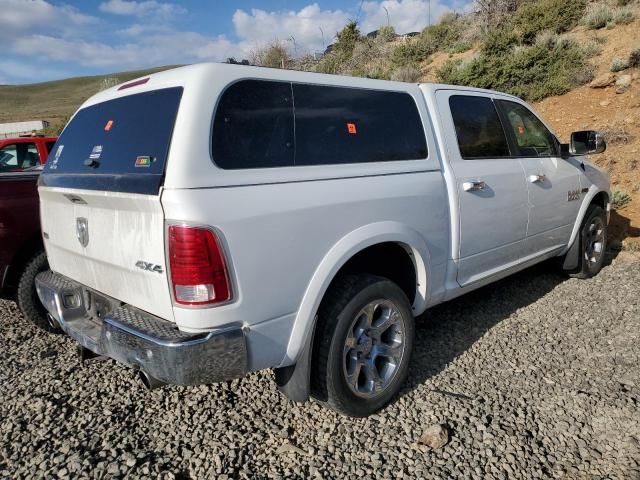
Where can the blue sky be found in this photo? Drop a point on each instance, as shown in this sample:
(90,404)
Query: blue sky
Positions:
(46,39)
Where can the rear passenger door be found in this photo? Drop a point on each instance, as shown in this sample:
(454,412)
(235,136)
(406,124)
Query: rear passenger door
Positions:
(553,183)
(490,182)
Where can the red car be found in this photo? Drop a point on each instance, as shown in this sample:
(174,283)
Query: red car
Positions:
(22,254)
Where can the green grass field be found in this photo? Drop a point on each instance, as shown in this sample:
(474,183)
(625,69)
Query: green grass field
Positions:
(55,101)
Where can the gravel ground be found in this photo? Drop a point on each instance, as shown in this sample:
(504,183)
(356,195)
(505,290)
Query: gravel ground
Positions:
(533,377)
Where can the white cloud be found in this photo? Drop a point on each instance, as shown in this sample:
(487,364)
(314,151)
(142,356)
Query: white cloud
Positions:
(259,27)
(150,50)
(404,15)
(19,18)
(141,9)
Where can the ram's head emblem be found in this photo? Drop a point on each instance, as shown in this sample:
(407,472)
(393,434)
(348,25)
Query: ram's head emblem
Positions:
(82,231)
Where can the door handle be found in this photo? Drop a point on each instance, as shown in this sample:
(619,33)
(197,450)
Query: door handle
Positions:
(537,178)
(474,185)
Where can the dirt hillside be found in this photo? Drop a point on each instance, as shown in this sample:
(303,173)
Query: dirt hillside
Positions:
(616,114)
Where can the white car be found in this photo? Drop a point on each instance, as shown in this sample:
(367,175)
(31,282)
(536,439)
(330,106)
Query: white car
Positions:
(214,220)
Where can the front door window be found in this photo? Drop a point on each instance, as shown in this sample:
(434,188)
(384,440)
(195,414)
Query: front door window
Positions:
(17,157)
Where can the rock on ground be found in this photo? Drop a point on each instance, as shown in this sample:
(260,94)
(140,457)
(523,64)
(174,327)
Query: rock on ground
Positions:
(536,376)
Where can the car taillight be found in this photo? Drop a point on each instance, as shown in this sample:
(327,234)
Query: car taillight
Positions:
(198,271)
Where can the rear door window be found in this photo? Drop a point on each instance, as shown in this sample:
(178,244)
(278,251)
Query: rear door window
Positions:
(253,126)
(348,125)
(478,128)
(118,145)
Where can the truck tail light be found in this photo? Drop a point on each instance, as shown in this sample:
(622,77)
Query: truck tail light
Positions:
(198,271)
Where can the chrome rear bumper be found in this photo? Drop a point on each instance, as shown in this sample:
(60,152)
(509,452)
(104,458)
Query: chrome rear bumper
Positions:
(140,340)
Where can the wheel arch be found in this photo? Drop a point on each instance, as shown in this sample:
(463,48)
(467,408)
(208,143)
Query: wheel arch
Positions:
(19,260)
(594,196)
(392,235)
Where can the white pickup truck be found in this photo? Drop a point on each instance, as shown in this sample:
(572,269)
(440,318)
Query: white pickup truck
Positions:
(214,220)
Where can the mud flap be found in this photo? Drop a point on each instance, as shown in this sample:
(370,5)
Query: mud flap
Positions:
(572,257)
(295,380)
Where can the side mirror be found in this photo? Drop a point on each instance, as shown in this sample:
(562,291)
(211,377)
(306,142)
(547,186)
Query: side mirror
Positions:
(587,142)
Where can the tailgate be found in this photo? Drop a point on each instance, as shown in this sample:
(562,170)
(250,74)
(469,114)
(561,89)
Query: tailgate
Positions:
(98,238)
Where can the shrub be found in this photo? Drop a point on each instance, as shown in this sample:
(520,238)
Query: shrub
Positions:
(591,49)
(597,16)
(108,82)
(533,72)
(444,34)
(342,51)
(460,46)
(406,74)
(347,39)
(618,65)
(623,16)
(274,55)
(557,16)
(386,33)
(620,199)
(634,58)
(412,52)
(547,38)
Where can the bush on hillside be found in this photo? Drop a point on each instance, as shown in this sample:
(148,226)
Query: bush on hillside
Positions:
(617,65)
(274,55)
(634,58)
(446,33)
(412,52)
(108,82)
(531,72)
(557,16)
(406,74)
(387,33)
(445,36)
(598,16)
(623,16)
(347,39)
(620,199)
(342,50)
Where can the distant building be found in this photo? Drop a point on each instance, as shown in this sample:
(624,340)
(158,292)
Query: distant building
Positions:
(373,34)
(16,129)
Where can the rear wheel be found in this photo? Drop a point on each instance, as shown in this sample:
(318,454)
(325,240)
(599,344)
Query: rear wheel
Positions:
(363,344)
(27,298)
(593,243)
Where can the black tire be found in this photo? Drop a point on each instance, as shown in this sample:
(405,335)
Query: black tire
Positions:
(340,310)
(589,264)
(27,298)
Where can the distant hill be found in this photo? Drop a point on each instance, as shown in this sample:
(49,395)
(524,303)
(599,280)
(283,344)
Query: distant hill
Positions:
(55,101)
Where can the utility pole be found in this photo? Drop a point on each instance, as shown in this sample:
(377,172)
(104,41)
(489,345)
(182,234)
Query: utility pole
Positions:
(295,47)
(429,12)
(322,33)
(387,12)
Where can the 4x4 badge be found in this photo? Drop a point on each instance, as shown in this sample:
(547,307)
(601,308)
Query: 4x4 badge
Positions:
(149,267)
(82,231)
